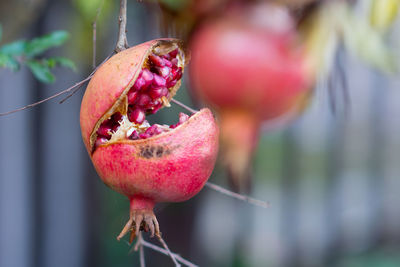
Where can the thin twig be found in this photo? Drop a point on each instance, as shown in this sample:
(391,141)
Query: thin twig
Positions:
(91,74)
(122,42)
(183,105)
(49,98)
(95,33)
(74,88)
(141,256)
(161,250)
(71,94)
(165,252)
(171,255)
(250,200)
(139,245)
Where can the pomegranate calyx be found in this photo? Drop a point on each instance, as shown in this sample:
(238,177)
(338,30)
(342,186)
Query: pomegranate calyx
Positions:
(140,220)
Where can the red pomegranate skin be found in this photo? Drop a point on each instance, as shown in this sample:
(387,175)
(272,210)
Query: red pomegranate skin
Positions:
(237,64)
(170,167)
(107,84)
(250,66)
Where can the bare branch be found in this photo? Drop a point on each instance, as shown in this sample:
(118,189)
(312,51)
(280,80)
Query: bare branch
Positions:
(183,105)
(171,255)
(139,245)
(49,98)
(74,88)
(141,255)
(165,252)
(250,200)
(91,74)
(144,243)
(95,33)
(122,42)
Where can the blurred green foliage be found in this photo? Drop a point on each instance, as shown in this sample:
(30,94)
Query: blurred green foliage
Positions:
(15,54)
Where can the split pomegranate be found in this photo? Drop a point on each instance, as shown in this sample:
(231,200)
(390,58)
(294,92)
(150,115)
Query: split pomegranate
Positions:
(147,163)
(249,65)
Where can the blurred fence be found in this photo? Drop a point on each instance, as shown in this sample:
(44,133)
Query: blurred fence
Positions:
(332,181)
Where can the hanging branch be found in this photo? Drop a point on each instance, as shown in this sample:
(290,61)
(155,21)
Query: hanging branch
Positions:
(183,105)
(74,88)
(94,26)
(48,98)
(247,199)
(149,245)
(122,42)
(139,245)
(171,255)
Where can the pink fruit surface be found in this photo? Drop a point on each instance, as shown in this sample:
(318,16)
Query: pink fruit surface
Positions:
(250,65)
(147,163)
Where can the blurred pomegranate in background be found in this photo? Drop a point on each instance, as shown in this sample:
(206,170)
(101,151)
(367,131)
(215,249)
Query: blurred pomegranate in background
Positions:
(250,65)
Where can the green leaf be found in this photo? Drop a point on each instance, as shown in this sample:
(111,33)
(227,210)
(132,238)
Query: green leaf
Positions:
(16,48)
(7,61)
(40,71)
(58,61)
(175,5)
(65,62)
(45,42)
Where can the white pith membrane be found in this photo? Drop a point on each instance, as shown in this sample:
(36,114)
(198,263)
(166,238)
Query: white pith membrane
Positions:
(152,90)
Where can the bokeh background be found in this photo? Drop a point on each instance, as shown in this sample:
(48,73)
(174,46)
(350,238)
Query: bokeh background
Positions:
(332,178)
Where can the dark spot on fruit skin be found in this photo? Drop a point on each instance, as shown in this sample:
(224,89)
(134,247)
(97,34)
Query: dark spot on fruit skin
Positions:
(155,151)
(160,151)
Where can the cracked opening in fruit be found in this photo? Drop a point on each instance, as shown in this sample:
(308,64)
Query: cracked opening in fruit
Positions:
(154,87)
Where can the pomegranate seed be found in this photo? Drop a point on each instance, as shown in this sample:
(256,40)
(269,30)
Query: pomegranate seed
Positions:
(153,130)
(173,53)
(132,96)
(166,56)
(183,117)
(134,135)
(167,63)
(158,92)
(156,60)
(138,84)
(147,76)
(143,100)
(159,81)
(157,104)
(144,135)
(115,127)
(172,83)
(178,74)
(164,71)
(103,130)
(137,116)
(116,117)
(100,141)
(174,62)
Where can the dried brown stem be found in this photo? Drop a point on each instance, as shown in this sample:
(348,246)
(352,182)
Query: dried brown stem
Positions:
(122,42)
(183,105)
(250,200)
